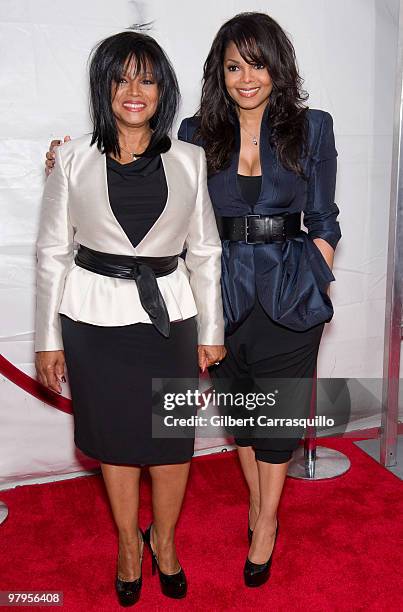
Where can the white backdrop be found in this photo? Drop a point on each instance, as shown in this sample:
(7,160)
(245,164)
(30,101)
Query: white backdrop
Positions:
(346,53)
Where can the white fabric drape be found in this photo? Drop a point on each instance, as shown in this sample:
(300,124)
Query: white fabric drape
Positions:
(346,52)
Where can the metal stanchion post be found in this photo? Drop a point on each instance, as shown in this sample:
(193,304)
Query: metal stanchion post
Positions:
(312,462)
(394,283)
(3,512)
(388,450)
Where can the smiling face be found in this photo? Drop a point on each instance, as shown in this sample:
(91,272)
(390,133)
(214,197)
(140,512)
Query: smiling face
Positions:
(249,85)
(135,98)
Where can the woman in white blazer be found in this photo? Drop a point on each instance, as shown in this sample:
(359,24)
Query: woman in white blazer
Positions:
(126,307)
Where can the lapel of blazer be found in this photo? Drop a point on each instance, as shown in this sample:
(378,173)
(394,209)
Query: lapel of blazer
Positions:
(95,178)
(163,234)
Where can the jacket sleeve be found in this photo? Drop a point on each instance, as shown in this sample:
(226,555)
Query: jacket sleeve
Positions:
(55,253)
(203,260)
(320,214)
(188,128)
(183,131)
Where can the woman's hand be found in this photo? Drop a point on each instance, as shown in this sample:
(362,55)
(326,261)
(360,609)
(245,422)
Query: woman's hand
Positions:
(50,155)
(210,354)
(50,369)
(327,253)
(326,250)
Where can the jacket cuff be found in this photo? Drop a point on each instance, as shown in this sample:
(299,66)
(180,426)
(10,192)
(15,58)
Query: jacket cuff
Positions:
(331,237)
(49,339)
(214,335)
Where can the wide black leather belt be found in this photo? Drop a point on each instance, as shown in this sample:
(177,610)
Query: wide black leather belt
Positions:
(143,270)
(258,229)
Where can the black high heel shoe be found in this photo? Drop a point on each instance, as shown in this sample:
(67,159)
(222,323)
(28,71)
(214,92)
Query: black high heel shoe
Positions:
(256,574)
(172,585)
(128,592)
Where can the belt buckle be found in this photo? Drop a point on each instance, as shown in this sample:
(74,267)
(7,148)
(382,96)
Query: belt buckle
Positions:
(246,227)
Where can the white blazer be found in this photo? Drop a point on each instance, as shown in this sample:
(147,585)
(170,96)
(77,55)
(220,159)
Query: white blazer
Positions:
(76,208)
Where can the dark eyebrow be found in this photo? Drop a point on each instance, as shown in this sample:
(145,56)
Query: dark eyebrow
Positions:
(146,73)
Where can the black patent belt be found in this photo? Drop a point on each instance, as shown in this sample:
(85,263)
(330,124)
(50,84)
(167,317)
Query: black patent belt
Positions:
(143,270)
(257,229)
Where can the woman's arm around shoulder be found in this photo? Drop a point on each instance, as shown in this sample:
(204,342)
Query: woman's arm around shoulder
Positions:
(50,154)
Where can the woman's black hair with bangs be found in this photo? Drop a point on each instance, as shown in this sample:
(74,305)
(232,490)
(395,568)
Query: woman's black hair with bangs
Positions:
(108,61)
(259,40)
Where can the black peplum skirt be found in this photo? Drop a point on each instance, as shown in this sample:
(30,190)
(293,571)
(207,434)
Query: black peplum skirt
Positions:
(110,372)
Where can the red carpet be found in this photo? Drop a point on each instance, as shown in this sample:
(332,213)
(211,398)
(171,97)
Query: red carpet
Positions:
(338,546)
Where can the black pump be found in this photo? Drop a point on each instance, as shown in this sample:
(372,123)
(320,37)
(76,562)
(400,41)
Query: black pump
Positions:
(172,585)
(256,574)
(128,592)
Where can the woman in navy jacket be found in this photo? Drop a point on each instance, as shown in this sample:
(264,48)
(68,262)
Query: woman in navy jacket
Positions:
(269,159)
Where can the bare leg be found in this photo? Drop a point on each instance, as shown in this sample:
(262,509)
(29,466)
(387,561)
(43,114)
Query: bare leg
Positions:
(122,485)
(271,482)
(168,486)
(248,463)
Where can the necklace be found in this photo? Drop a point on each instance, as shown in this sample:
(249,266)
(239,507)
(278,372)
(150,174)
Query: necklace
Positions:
(254,138)
(133,155)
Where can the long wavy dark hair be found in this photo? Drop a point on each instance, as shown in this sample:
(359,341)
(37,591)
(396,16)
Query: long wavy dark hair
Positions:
(107,64)
(259,40)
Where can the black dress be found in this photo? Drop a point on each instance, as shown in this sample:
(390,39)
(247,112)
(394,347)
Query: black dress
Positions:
(110,369)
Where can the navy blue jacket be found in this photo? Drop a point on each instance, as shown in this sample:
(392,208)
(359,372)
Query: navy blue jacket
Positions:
(290,279)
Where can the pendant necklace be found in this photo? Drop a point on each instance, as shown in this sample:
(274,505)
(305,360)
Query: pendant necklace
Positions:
(254,138)
(133,155)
